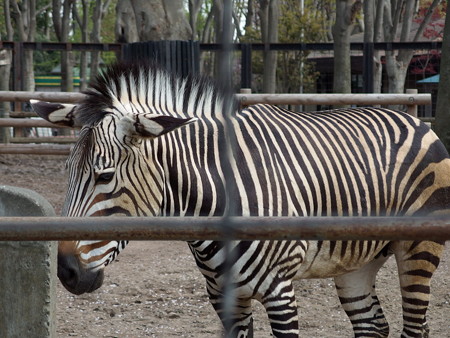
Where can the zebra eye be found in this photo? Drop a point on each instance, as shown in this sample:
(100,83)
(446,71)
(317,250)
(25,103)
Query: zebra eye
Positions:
(104,177)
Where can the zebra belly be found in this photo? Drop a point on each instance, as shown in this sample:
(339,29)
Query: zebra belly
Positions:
(333,258)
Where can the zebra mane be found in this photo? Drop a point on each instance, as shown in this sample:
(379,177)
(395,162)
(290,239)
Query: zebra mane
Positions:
(143,85)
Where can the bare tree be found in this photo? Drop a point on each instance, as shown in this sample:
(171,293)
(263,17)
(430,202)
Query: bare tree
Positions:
(269,13)
(83,24)
(397,22)
(373,19)
(5,68)
(346,11)
(61,25)
(194,8)
(151,20)
(100,10)
(24,16)
(442,125)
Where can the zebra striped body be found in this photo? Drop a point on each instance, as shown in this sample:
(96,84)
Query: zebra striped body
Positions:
(153,144)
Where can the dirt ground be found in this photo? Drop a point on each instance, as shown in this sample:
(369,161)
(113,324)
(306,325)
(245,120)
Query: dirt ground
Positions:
(155,290)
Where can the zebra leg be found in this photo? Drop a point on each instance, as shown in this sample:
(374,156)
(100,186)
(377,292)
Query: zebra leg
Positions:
(281,308)
(356,291)
(240,324)
(416,263)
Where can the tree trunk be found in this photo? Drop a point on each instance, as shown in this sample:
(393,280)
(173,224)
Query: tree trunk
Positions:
(5,71)
(194,8)
(66,72)
(341,36)
(83,24)
(138,20)
(25,20)
(442,124)
(269,14)
(218,31)
(100,10)
(62,29)
(378,37)
(397,62)
(28,67)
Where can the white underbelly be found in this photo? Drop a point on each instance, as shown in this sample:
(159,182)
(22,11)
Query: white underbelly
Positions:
(321,264)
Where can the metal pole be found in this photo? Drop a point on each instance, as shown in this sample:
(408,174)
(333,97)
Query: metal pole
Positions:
(227,229)
(368,67)
(210,228)
(248,99)
(246,65)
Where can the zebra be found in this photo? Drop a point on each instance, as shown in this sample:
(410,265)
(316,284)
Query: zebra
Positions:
(151,143)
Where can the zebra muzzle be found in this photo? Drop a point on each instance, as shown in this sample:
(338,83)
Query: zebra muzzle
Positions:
(75,278)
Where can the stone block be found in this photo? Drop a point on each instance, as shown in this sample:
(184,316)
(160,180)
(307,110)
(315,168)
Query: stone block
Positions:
(28,271)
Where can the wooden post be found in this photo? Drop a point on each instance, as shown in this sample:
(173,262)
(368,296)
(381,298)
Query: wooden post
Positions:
(412,108)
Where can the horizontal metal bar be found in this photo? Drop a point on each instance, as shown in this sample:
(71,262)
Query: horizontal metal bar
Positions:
(74,46)
(248,99)
(44,139)
(332,99)
(213,228)
(26,123)
(326,46)
(117,47)
(35,149)
(23,96)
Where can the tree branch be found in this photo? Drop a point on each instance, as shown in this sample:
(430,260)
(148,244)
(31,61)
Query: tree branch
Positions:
(8,24)
(426,19)
(16,13)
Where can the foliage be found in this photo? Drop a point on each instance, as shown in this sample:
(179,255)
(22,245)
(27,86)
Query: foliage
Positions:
(435,29)
(426,64)
(309,26)
(45,61)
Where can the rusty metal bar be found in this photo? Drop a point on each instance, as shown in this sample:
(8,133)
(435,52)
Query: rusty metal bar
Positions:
(244,228)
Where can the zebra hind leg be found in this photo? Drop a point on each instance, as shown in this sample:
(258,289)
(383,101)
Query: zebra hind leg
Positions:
(356,291)
(281,308)
(416,262)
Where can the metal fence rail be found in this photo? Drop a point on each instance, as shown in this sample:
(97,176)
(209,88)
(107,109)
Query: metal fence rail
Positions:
(212,228)
(247,99)
(411,100)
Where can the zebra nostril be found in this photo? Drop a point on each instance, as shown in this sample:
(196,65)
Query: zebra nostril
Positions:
(68,271)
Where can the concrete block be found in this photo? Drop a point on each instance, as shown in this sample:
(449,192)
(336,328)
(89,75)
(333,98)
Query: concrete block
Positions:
(28,272)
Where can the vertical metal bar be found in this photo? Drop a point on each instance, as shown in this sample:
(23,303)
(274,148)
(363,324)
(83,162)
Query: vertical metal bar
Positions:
(225,76)
(368,67)
(18,76)
(246,65)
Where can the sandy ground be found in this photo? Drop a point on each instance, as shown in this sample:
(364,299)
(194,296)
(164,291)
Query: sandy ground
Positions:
(155,290)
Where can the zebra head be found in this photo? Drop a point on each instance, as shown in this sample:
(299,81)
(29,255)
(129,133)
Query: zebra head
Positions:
(113,167)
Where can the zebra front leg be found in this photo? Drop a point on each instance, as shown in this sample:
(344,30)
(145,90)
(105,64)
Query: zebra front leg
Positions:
(356,291)
(281,308)
(416,262)
(240,324)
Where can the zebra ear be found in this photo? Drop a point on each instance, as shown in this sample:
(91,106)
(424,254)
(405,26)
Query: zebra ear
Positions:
(58,113)
(151,126)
